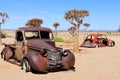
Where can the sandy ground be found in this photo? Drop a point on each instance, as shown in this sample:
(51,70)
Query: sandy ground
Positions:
(91,64)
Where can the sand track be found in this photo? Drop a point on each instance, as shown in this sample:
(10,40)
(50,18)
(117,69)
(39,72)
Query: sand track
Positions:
(91,64)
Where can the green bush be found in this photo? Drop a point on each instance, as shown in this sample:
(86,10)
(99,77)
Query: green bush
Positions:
(58,39)
(68,41)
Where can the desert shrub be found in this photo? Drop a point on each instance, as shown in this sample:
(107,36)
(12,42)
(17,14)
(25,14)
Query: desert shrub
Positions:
(2,35)
(68,41)
(58,39)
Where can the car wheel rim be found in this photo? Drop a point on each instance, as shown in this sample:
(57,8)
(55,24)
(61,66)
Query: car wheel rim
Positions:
(112,44)
(96,45)
(24,66)
(3,56)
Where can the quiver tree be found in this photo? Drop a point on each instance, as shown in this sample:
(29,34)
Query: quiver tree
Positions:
(3,19)
(34,22)
(56,26)
(75,17)
(72,31)
(86,25)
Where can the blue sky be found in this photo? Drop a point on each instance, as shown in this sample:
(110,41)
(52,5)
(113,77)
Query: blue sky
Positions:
(104,14)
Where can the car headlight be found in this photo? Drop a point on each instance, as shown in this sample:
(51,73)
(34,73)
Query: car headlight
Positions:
(65,52)
(44,53)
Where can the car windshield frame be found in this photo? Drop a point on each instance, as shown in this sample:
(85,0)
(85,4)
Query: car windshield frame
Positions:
(38,35)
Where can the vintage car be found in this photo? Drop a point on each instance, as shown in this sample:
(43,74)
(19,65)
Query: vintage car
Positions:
(35,49)
(97,40)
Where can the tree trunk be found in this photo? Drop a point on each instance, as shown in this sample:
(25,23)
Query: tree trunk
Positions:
(55,32)
(76,42)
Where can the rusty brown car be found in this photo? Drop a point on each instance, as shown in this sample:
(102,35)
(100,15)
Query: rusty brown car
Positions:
(35,49)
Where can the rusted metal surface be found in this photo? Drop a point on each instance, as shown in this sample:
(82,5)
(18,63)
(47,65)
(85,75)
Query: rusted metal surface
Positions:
(8,53)
(40,52)
(69,60)
(97,40)
(35,29)
(37,62)
(42,44)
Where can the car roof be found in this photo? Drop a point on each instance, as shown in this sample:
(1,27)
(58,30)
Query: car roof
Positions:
(96,35)
(34,29)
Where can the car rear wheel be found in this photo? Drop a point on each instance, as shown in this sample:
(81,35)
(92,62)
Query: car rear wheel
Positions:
(25,65)
(112,44)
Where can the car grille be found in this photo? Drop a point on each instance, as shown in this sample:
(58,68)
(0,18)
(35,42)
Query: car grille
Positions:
(55,59)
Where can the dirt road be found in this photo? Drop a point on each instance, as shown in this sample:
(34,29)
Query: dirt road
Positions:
(91,64)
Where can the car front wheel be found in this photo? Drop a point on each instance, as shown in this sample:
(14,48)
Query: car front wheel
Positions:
(25,65)
(96,45)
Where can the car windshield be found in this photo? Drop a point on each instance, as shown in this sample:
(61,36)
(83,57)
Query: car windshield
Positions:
(90,37)
(102,37)
(38,35)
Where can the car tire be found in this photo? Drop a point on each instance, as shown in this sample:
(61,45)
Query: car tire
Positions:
(3,56)
(112,44)
(96,45)
(25,65)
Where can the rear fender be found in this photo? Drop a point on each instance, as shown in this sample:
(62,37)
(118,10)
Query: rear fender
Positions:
(7,51)
(110,41)
(36,61)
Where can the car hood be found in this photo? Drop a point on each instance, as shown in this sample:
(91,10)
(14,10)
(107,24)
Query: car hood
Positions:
(42,44)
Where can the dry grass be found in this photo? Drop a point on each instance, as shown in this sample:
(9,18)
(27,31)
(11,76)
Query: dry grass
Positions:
(67,37)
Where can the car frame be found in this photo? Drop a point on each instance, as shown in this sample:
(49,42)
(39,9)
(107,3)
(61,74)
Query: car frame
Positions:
(38,53)
(97,40)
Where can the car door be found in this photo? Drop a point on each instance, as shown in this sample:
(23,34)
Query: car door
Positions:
(105,40)
(19,52)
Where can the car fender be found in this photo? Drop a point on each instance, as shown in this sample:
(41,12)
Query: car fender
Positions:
(7,51)
(36,61)
(68,60)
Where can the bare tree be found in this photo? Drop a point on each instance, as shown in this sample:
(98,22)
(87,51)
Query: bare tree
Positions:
(72,31)
(86,25)
(3,19)
(75,17)
(34,22)
(56,26)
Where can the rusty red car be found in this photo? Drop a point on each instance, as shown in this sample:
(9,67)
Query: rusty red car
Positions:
(35,49)
(97,40)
